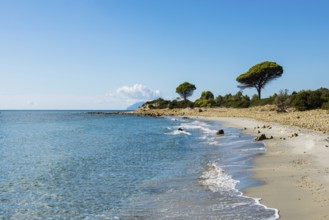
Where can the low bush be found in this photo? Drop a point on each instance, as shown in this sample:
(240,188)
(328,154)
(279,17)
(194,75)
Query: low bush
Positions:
(325,106)
(235,101)
(157,103)
(307,100)
(283,101)
(206,100)
(180,104)
(255,101)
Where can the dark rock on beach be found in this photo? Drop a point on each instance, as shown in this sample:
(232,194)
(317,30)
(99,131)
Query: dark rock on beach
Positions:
(261,137)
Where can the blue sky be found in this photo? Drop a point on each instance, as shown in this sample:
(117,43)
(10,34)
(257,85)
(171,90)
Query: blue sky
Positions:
(107,54)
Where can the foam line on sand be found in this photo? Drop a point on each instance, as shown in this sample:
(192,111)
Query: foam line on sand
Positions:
(295,169)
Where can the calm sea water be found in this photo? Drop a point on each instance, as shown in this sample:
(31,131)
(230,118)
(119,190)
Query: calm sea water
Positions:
(73,165)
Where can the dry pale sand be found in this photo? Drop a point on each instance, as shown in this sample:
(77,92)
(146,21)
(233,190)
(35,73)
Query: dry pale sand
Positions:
(295,168)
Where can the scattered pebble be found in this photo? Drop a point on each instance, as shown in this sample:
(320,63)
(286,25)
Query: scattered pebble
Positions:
(294,135)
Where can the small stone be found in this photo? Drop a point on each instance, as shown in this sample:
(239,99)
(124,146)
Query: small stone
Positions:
(294,135)
(258,131)
(220,132)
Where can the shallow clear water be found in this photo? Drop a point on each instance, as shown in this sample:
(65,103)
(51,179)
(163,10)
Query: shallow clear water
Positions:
(73,165)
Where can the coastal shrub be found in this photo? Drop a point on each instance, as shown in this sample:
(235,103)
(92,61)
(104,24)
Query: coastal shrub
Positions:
(180,104)
(173,104)
(307,99)
(243,102)
(207,95)
(233,101)
(302,100)
(157,103)
(206,100)
(261,102)
(219,100)
(283,100)
(204,103)
(254,98)
(314,100)
(325,106)
(324,94)
(185,104)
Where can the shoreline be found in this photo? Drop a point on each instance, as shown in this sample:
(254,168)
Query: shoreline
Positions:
(294,168)
(295,177)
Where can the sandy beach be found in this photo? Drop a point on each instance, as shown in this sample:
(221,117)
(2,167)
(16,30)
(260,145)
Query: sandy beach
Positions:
(295,167)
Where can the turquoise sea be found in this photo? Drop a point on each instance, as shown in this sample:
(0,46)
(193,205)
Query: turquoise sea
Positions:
(75,165)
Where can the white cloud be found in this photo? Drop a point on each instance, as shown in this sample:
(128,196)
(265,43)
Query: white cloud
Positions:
(29,102)
(137,92)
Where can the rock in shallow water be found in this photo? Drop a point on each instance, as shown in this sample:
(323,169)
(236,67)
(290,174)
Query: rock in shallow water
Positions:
(220,132)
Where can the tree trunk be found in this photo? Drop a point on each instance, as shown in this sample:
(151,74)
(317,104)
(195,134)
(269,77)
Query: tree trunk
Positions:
(259,90)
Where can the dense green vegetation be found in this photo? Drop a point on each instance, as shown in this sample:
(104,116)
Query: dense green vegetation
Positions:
(301,101)
(257,77)
(307,99)
(207,99)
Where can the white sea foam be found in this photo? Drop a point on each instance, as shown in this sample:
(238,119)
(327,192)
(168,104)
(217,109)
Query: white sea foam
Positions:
(216,179)
(178,132)
(194,125)
(198,125)
(208,133)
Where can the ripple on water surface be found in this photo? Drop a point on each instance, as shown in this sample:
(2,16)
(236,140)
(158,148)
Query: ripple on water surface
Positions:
(69,164)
